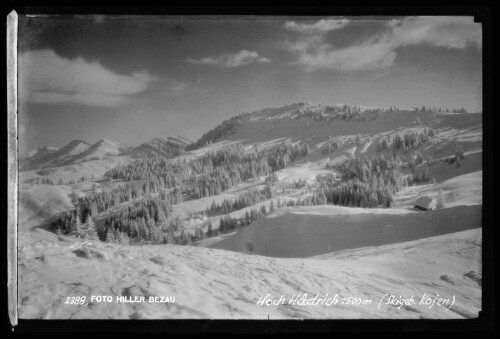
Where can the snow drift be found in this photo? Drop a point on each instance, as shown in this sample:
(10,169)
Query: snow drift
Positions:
(209,283)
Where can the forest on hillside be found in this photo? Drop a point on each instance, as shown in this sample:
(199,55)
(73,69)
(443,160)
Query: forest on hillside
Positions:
(160,182)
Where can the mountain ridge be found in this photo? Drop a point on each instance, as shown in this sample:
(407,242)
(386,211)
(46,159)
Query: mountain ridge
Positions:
(256,126)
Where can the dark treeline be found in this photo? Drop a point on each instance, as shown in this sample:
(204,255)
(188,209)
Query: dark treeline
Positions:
(100,201)
(47,181)
(439,109)
(354,113)
(213,173)
(170,172)
(229,167)
(348,113)
(411,140)
(334,143)
(38,181)
(230,224)
(158,147)
(226,128)
(331,145)
(45,171)
(300,183)
(142,222)
(365,182)
(162,181)
(244,200)
(457,158)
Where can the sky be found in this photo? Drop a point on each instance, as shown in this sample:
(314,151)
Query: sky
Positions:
(131,79)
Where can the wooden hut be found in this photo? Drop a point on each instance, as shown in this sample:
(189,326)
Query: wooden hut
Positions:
(425,203)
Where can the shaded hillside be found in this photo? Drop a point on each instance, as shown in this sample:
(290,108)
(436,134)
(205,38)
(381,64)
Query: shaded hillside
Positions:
(226,128)
(30,153)
(31,159)
(64,155)
(101,149)
(315,123)
(168,148)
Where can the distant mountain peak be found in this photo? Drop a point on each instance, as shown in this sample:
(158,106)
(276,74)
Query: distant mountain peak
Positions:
(77,142)
(31,153)
(108,141)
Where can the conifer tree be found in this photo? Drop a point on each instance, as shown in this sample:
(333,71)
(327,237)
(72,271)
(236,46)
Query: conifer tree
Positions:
(440,199)
(90,230)
(110,236)
(209,228)
(321,199)
(248,220)
(123,239)
(78,228)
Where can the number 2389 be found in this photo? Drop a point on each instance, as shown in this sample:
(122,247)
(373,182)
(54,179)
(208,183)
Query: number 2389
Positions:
(75,300)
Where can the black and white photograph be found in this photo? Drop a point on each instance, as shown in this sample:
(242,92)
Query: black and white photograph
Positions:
(248,167)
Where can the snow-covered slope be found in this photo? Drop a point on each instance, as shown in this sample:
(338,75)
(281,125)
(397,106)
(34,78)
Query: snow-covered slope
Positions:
(315,124)
(40,203)
(461,190)
(353,252)
(74,172)
(210,283)
(62,156)
(101,149)
(31,159)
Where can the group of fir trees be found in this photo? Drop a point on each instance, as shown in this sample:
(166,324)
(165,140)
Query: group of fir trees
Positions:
(158,147)
(244,200)
(301,182)
(45,171)
(271,179)
(70,223)
(331,145)
(365,182)
(212,173)
(410,140)
(155,208)
(334,143)
(38,181)
(230,224)
(457,158)
(98,202)
(157,179)
(143,222)
(439,109)
(223,130)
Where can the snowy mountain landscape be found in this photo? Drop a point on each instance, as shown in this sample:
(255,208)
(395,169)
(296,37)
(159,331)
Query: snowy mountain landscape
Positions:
(248,168)
(279,232)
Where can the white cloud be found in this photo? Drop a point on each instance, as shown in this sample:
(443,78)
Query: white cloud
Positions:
(232,60)
(451,32)
(321,26)
(45,77)
(380,51)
